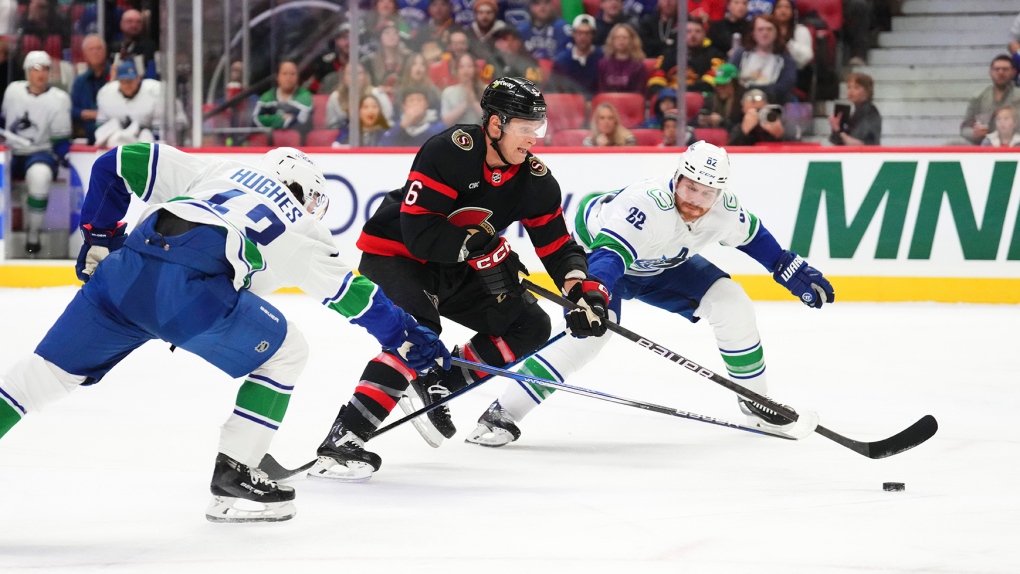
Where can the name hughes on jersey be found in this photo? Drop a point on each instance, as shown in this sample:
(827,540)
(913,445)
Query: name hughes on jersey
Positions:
(263,185)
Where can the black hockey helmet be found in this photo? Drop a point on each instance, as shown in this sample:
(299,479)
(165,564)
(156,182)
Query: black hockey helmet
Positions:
(509,98)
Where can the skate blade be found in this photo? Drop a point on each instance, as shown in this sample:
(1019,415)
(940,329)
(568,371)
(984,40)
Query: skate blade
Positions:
(226,509)
(422,424)
(494,437)
(347,471)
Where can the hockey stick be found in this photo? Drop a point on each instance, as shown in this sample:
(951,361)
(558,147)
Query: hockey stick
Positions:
(802,429)
(277,471)
(906,439)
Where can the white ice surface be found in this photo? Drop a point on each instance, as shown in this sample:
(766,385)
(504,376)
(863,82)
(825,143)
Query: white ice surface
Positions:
(115,477)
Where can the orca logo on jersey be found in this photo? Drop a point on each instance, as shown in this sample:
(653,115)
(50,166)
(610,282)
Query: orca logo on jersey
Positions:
(463,140)
(537,167)
(473,217)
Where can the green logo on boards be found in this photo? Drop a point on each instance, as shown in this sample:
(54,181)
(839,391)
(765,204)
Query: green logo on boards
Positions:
(979,239)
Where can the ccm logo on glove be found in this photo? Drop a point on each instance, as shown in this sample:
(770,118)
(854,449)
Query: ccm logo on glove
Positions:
(492,258)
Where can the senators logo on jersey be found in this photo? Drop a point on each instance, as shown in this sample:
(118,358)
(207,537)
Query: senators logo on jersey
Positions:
(537,167)
(473,217)
(463,140)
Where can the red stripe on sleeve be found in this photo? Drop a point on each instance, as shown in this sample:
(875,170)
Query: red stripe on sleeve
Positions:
(542,219)
(433,184)
(379,246)
(417,210)
(552,247)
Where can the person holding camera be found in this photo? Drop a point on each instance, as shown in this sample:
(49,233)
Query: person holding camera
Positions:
(864,125)
(763,122)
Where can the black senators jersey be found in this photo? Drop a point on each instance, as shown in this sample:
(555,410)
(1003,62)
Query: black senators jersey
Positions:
(451,188)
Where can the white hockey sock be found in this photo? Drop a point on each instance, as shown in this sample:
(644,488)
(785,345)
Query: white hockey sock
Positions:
(38,178)
(557,362)
(33,382)
(262,401)
(729,311)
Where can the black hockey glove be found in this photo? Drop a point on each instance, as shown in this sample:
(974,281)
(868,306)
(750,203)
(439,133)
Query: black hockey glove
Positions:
(591,317)
(496,263)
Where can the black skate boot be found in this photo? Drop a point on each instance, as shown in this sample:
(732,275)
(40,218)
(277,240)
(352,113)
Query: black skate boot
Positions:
(495,428)
(245,494)
(342,456)
(430,388)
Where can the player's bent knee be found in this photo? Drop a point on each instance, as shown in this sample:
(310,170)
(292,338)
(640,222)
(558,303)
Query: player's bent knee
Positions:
(535,332)
(726,302)
(35,382)
(290,359)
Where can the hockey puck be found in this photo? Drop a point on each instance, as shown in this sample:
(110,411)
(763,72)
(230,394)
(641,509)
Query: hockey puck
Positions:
(894,486)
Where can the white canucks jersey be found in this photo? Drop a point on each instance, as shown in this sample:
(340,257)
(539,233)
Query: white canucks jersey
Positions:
(642,225)
(36,120)
(272,242)
(146,107)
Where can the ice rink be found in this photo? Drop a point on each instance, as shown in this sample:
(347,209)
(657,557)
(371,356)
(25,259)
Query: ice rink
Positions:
(115,477)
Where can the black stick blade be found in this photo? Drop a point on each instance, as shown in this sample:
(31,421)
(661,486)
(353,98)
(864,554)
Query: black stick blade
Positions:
(275,471)
(907,439)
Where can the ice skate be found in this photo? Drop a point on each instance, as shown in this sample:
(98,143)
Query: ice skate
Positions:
(430,388)
(342,457)
(495,428)
(760,416)
(245,494)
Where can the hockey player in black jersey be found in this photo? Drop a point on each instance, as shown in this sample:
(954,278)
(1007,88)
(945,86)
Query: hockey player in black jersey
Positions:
(434,247)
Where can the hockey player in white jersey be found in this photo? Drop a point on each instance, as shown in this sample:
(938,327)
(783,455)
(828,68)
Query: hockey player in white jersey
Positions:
(36,120)
(217,235)
(129,109)
(643,243)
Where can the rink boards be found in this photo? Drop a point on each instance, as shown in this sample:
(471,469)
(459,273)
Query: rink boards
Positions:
(890,224)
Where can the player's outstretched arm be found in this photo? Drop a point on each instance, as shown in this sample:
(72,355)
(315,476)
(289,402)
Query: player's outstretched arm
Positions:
(804,281)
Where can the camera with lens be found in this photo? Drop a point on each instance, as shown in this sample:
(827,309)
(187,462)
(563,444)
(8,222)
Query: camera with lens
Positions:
(770,113)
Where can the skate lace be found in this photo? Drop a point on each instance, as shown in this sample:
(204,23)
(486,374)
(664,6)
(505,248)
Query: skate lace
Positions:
(257,476)
(439,391)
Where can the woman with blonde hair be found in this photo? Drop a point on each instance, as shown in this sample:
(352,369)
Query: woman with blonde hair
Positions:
(338,104)
(1005,132)
(372,124)
(416,77)
(460,102)
(606,129)
(622,67)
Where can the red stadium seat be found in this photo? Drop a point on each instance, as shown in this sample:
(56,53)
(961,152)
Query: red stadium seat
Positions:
(565,111)
(650,66)
(287,138)
(321,138)
(830,10)
(30,43)
(77,53)
(717,136)
(630,106)
(568,137)
(547,66)
(319,110)
(258,139)
(694,101)
(54,46)
(591,7)
(647,136)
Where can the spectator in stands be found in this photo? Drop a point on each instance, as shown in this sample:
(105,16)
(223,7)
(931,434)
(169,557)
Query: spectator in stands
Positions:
(43,19)
(547,34)
(705,10)
(134,45)
(754,128)
(726,34)
(764,62)
(386,11)
(606,129)
(434,36)
(444,72)
(702,58)
(460,102)
(417,122)
(798,40)
(864,126)
(723,107)
(623,67)
(372,124)
(511,59)
(856,32)
(658,29)
(759,8)
(1002,92)
(609,16)
(415,13)
(328,67)
(484,28)
(86,87)
(463,13)
(338,104)
(288,106)
(514,12)
(416,77)
(669,131)
(129,108)
(1005,133)
(576,69)
(386,63)
(662,103)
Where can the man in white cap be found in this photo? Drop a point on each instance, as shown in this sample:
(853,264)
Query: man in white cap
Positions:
(36,118)
(576,69)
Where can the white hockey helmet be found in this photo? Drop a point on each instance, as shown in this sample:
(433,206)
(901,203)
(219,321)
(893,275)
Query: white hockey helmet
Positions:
(36,58)
(705,163)
(293,166)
